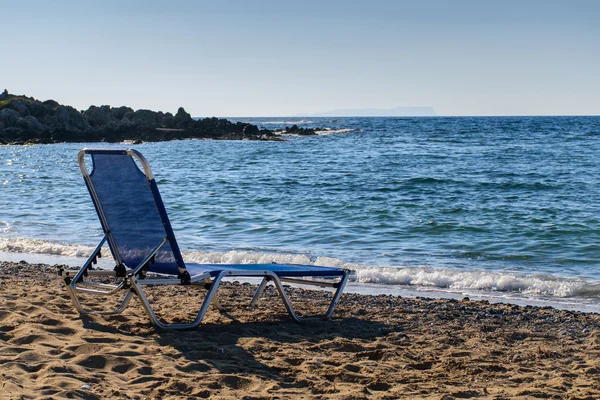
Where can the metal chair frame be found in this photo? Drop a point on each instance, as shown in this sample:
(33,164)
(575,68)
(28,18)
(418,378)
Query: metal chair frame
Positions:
(135,278)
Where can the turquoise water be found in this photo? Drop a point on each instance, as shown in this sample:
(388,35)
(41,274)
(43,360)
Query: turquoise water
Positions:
(507,204)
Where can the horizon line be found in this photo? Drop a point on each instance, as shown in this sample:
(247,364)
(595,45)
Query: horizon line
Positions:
(405,116)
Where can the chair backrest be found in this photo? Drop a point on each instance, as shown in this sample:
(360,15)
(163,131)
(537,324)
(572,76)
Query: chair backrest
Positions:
(130,209)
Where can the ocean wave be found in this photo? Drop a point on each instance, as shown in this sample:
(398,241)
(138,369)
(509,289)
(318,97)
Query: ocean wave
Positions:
(321,132)
(34,246)
(333,131)
(423,277)
(446,278)
(302,121)
(244,257)
(4,226)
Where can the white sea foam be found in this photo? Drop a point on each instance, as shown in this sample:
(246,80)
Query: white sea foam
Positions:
(18,245)
(243,257)
(322,132)
(416,277)
(333,131)
(446,278)
(4,226)
(284,122)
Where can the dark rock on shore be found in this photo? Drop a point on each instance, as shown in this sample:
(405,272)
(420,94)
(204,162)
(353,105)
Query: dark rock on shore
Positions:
(296,130)
(27,120)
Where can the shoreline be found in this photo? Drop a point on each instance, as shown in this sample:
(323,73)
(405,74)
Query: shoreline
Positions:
(591,305)
(376,346)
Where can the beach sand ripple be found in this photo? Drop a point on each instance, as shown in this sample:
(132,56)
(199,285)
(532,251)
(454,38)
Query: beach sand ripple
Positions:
(376,347)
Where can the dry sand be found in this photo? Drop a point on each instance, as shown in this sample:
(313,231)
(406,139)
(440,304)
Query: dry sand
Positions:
(378,347)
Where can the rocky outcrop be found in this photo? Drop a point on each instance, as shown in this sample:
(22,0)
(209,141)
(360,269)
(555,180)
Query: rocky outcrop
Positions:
(182,115)
(296,130)
(27,120)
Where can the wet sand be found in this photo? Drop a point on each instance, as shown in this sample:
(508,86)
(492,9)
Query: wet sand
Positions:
(376,347)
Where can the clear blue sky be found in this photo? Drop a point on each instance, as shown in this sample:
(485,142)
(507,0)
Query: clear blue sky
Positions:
(273,58)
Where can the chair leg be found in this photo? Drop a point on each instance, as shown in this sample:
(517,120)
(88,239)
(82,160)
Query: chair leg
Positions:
(259,292)
(217,303)
(210,297)
(290,308)
(72,291)
(215,300)
(337,295)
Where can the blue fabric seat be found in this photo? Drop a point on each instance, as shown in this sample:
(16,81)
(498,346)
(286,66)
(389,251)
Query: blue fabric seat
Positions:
(281,270)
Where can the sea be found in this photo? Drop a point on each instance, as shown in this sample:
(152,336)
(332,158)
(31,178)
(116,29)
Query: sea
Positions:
(495,208)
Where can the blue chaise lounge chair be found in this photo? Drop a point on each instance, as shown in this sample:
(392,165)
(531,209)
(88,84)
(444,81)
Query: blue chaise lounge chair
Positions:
(139,235)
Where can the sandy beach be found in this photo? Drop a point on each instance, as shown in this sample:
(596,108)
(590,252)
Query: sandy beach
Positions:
(376,347)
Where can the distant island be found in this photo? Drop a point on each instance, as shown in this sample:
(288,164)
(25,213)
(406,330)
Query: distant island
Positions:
(26,120)
(378,112)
